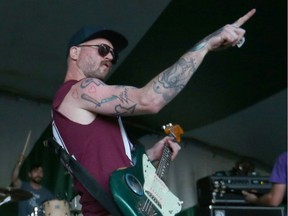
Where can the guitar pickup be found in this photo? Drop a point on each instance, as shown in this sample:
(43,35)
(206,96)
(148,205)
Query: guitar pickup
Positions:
(152,197)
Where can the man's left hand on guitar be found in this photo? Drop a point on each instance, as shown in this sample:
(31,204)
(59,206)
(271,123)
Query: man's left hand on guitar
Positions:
(155,152)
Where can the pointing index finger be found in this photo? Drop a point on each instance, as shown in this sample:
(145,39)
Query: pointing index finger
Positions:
(244,18)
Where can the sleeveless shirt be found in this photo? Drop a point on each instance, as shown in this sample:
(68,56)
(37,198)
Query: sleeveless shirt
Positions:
(98,146)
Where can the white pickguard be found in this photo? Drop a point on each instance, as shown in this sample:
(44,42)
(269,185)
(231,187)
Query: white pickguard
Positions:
(157,192)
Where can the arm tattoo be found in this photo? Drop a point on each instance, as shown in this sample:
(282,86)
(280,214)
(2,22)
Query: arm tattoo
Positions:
(126,105)
(120,110)
(96,102)
(88,81)
(124,99)
(174,79)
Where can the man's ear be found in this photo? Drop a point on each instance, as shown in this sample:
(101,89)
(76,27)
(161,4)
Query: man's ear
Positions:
(74,52)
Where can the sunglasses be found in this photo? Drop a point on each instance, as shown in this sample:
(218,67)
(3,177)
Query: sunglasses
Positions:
(104,50)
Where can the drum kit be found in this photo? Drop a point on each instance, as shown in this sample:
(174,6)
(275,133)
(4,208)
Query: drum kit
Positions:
(14,194)
(53,207)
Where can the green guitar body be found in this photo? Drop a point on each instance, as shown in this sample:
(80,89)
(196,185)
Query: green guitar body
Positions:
(138,191)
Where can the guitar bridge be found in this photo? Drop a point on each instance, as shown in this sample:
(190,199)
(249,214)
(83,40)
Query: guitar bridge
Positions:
(157,191)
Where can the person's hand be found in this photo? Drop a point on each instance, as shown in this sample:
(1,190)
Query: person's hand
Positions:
(156,151)
(229,35)
(249,197)
(21,159)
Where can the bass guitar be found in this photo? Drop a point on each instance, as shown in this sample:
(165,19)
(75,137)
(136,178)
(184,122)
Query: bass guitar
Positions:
(141,189)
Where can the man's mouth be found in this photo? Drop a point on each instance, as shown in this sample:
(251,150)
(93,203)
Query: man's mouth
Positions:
(107,64)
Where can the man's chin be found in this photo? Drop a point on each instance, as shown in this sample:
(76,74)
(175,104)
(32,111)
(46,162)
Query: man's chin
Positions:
(37,181)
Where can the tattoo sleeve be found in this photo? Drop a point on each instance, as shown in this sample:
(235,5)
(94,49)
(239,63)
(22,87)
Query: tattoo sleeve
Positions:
(174,79)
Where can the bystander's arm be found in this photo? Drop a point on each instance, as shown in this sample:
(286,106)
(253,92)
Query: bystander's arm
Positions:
(273,198)
(15,181)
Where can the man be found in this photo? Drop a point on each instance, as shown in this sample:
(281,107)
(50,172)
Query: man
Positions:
(40,193)
(279,185)
(86,111)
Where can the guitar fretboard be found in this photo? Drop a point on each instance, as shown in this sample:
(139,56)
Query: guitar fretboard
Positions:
(164,164)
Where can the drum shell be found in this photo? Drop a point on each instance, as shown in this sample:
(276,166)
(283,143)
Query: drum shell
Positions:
(56,208)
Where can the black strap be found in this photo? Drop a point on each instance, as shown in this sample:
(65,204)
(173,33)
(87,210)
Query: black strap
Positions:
(79,172)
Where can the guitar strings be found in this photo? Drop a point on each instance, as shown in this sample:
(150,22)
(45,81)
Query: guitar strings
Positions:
(167,153)
(147,206)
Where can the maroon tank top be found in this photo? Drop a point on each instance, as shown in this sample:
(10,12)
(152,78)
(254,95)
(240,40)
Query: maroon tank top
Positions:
(98,146)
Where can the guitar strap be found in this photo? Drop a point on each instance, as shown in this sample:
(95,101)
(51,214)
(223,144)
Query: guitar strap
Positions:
(127,144)
(83,176)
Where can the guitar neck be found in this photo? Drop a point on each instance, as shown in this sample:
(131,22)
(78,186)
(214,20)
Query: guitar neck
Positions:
(164,164)
(174,131)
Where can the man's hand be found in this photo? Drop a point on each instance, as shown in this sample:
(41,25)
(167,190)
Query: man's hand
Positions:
(229,35)
(156,151)
(21,159)
(250,197)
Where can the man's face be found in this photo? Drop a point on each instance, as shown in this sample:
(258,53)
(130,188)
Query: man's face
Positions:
(36,175)
(90,62)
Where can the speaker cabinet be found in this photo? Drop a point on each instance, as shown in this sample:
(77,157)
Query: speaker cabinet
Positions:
(213,210)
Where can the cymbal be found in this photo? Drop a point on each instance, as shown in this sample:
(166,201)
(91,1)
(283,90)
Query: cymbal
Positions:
(15,193)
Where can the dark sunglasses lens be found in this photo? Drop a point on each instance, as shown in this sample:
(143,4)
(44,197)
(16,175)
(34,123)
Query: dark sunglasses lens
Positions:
(104,50)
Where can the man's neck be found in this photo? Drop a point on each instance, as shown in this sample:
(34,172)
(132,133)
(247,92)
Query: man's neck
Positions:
(35,185)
